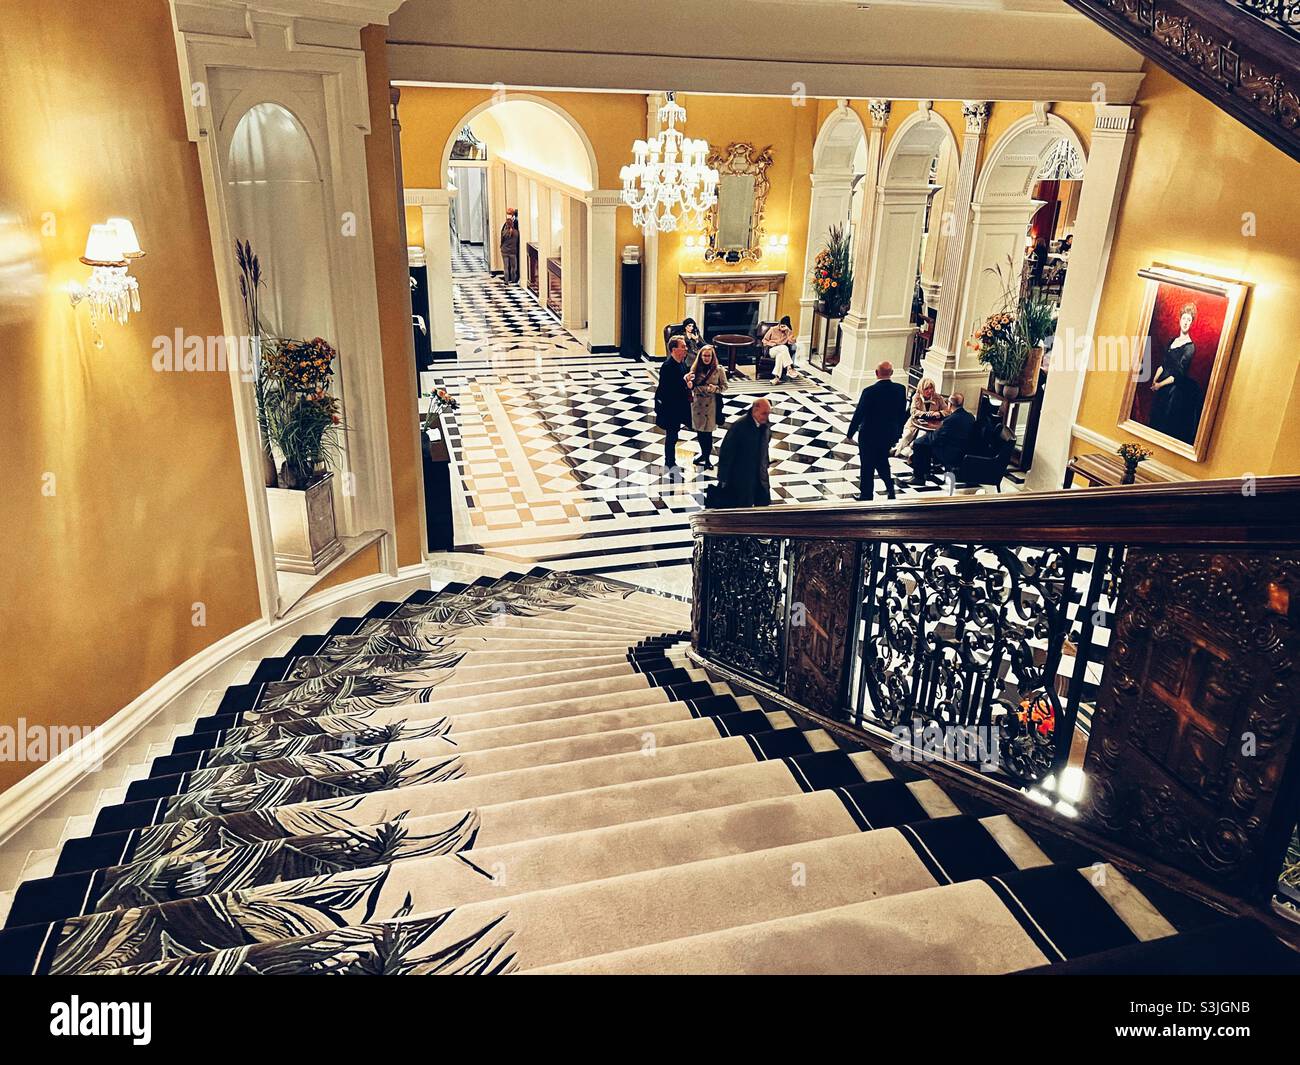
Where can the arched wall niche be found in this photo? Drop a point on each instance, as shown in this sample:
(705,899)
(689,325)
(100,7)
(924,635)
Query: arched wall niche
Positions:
(839,161)
(277,203)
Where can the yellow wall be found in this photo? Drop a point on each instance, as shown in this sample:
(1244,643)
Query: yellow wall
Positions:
(392,281)
(99,580)
(762,121)
(1195,173)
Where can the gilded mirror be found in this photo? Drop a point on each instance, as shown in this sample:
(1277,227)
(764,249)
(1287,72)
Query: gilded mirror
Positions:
(734,225)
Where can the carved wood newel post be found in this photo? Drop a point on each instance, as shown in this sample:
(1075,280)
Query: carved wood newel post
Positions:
(1188,758)
(823,575)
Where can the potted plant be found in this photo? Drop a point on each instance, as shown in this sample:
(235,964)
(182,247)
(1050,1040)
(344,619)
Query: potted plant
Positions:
(435,431)
(250,284)
(832,273)
(300,425)
(305,428)
(1000,346)
(1133,455)
(1037,323)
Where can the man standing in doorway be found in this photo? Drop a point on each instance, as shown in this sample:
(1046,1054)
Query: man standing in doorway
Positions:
(510,247)
(877,424)
(673,399)
(743,461)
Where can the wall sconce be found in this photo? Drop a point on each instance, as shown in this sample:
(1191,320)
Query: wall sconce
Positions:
(778,243)
(111,292)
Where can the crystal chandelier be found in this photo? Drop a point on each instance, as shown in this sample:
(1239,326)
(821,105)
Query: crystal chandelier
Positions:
(668,181)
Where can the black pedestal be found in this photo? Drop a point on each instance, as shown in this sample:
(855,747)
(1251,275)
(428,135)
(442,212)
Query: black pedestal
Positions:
(630,317)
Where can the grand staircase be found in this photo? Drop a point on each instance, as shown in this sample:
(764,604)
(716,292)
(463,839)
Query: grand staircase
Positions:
(526,774)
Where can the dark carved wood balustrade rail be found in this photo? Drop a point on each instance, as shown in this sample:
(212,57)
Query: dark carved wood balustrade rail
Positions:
(1147,638)
(1243,55)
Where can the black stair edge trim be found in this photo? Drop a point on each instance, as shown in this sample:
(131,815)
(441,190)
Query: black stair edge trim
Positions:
(1235,946)
(733,721)
(241,698)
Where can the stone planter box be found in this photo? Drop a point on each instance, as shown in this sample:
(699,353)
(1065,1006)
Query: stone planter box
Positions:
(303,529)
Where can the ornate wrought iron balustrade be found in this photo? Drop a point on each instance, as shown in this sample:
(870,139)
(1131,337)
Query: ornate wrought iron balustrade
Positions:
(1146,638)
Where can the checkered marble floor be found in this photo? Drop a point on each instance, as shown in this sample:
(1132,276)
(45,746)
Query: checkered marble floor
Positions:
(560,460)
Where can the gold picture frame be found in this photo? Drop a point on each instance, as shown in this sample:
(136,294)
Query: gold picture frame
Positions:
(739,159)
(1184,345)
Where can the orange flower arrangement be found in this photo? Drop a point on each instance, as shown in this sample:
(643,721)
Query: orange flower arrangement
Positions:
(1038,713)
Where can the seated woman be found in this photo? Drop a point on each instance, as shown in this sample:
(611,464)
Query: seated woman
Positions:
(929,408)
(779,341)
(694,341)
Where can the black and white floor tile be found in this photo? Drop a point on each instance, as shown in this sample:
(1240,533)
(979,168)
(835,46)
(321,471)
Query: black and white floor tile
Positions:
(560,460)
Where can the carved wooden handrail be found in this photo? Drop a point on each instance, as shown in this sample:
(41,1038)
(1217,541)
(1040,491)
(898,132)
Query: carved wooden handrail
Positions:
(1145,638)
(1242,56)
(1205,513)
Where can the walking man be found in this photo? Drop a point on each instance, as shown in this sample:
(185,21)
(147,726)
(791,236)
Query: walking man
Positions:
(743,461)
(877,424)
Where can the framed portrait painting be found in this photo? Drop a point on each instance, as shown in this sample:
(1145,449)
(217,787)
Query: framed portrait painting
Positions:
(1187,334)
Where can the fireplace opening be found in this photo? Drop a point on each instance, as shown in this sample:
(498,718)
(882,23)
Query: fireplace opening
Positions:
(729,316)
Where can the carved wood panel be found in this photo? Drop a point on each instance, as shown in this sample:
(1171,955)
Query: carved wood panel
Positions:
(823,577)
(1243,63)
(1187,760)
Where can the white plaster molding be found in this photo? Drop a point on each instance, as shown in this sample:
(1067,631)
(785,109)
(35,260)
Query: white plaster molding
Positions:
(1108,445)
(737,275)
(353,13)
(1099,204)
(429,197)
(976,115)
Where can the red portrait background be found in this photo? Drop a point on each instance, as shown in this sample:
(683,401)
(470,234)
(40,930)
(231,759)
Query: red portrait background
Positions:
(1206,331)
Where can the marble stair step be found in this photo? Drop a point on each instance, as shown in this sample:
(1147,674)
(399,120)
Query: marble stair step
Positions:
(364,728)
(399,765)
(451,737)
(154,840)
(561,924)
(986,926)
(264,851)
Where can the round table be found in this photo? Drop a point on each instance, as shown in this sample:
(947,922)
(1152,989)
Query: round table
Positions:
(730,345)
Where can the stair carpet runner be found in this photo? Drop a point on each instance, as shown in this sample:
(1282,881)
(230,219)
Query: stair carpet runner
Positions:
(525,775)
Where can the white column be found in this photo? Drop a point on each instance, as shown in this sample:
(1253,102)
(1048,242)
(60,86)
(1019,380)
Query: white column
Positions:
(573,254)
(651,339)
(945,351)
(884,330)
(527,197)
(496,214)
(435,216)
(602,269)
(832,197)
(995,239)
(853,337)
(1094,231)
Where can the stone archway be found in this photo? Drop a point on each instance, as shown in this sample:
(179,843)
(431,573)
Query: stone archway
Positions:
(880,327)
(1001,209)
(837,167)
